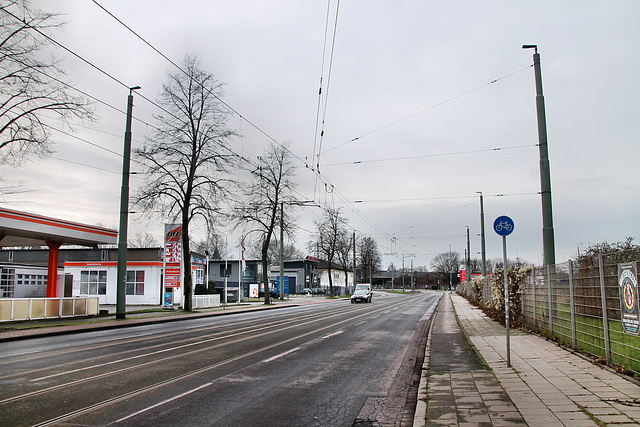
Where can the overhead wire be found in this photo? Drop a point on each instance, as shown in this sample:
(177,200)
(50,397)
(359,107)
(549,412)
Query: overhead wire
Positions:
(326,95)
(427,109)
(422,156)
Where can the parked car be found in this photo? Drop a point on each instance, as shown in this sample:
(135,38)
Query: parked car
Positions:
(307,291)
(361,295)
(317,291)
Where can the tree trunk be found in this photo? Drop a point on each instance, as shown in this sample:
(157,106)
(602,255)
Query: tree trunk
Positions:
(265,273)
(330,281)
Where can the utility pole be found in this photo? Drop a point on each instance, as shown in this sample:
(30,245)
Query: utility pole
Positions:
(354,262)
(548,239)
(483,251)
(412,282)
(468,260)
(450,270)
(282,251)
(121,284)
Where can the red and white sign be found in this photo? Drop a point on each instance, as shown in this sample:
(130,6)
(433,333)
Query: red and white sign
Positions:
(172,255)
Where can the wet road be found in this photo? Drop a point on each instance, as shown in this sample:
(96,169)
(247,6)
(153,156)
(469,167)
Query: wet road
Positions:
(333,363)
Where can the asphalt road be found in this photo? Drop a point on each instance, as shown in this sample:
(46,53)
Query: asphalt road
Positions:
(325,364)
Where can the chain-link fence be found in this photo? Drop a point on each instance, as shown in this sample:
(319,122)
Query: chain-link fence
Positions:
(578,302)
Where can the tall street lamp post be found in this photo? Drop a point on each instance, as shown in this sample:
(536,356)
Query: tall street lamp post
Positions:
(483,251)
(121,286)
(548,239)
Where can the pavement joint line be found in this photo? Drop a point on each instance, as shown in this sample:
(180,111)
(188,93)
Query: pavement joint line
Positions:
(556,367)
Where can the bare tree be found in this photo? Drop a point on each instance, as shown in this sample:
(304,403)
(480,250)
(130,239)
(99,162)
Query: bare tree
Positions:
(344,254)
(215,244)
(143,240)
(31,83)
(264,210)
(330,230)
(289,250)
(447,264)
(369,256)
(187,158)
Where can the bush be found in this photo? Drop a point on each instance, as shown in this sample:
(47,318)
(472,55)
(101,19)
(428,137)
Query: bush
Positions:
(476,289)
(495,305)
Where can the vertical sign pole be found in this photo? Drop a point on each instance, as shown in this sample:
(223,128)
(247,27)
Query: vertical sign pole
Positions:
(503,226)
(506,297)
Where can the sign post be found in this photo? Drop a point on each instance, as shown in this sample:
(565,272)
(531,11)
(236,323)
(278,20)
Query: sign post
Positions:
(503,225)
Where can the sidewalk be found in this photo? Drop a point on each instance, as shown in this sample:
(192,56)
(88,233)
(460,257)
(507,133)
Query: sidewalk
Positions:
(548,385)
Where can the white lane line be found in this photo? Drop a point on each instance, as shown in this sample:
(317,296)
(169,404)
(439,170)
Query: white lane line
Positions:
(171,399)
(278,356)
(332,335)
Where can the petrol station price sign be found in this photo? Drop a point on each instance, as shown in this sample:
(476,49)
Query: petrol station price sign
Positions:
(172,255)
(629,304)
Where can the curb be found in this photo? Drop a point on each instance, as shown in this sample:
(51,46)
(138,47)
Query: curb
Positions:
(420,414)
(127,323)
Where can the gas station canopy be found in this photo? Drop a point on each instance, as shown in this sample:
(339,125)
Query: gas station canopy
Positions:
(25,229)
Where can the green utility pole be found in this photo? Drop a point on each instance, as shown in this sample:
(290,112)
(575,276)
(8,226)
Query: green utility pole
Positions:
(548,239)
(354,263)
(483,251)
(468,261)
(121,284)
(282,251)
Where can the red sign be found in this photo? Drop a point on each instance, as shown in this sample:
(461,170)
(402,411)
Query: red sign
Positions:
(172,255)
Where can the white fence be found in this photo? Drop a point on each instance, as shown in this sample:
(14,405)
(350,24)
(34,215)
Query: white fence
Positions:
(46,308)
(205,301)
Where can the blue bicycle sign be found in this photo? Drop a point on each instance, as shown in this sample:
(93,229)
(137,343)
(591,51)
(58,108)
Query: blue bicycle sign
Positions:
(503,225)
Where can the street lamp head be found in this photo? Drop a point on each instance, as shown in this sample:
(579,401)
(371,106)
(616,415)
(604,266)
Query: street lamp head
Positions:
(131,89)
(530,46)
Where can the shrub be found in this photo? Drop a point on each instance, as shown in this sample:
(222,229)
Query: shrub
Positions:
(495,305)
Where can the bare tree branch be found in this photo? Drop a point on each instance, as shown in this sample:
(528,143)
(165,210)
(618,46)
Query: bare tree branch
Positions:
(30,84)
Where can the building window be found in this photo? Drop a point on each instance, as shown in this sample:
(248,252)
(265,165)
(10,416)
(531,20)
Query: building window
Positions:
(135,283)
(93,282)
(225,271)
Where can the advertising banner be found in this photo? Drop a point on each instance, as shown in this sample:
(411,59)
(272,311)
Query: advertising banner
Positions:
(253,290)
(172,255)
(630,312)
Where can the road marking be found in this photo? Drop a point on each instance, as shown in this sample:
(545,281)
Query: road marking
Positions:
(163,402)
(278,356)
(332,335)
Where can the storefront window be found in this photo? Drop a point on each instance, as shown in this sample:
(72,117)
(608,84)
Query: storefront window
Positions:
(135,282)
(93,282)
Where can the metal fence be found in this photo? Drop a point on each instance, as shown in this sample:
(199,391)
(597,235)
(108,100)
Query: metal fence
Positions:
(578,303)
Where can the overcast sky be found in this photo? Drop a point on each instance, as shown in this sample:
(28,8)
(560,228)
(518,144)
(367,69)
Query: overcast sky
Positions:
(427,103)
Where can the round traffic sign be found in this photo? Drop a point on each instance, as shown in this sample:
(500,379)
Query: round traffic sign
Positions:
(503,225)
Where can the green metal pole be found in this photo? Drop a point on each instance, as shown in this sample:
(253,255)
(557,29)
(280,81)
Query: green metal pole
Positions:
(483,250)
(468,262)
(121,284)
(548,239)
(355,281)
(282,251)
